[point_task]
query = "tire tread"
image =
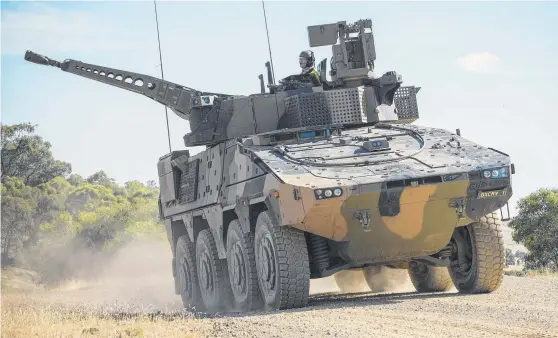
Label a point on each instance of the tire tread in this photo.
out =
(294, 266)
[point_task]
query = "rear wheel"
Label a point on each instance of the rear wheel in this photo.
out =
(241, 264)
(282, 264)
(478, 265)
(187, 276)
(426, 278)
(212, 274)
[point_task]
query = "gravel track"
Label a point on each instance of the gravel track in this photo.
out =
(521, 307)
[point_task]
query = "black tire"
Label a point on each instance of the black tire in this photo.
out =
(212, 274)
(383, 278)
(241, 263)
(485, 257)
(426, 278)
(282, 265)
(351, 281)
(187, 275)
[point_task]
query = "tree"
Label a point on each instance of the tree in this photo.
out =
(152, 184)
(18, 204)
(75, 179)
(54, 221)
(536, 226)
(510, 259)
(100, 177)
(28, 156)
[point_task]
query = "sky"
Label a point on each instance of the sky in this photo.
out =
(488, 68)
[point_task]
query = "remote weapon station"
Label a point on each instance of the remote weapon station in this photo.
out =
(308, 181)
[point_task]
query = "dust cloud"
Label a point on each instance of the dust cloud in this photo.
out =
(383, 279)
(374, 279)
(323, 285)
(136, 278)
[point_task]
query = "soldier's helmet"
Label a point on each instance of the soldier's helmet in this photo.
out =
(306, 59)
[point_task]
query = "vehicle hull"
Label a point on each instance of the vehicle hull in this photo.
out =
(375, 224)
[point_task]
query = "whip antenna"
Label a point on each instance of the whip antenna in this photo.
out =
(268, 44)
(162, 74)
(271, 60)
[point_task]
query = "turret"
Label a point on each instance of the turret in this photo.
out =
(351, 98)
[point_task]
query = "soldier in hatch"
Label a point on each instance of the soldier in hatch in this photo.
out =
(308, 74)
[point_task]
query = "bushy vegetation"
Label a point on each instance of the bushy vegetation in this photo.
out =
(60, 224)
(536, 226)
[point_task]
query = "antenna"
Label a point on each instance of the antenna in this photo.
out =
(270, 59)
(162, 74)
(268, 43)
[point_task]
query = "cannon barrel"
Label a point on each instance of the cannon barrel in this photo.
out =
(40, 59)
(178, 98)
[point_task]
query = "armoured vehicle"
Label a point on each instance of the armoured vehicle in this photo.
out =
(305, 182)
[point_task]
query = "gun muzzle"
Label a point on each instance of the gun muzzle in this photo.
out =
(40, 59)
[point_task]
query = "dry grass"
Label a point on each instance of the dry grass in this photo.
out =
(538, 273)
(26, 316)
(542, 273)
(119, 302)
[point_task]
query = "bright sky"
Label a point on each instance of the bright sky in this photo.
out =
(488, 68)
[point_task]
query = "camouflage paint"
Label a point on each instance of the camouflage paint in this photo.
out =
(380, 216)
(415, 221)
(403, 220)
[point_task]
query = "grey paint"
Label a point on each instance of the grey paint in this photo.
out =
(218, 117)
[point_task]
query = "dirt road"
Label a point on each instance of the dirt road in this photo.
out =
(522, 307)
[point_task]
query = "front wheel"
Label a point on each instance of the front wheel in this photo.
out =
(282, 264)
(478, 265)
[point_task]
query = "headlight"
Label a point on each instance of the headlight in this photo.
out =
(321, 194)
(496, 173)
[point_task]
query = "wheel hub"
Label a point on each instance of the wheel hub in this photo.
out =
(420, 269)
(206, 276)
(185, 277)
(238, 274)
(266, 264)
(463, 257)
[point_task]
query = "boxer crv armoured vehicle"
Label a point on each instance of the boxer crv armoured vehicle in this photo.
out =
(306, 181)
